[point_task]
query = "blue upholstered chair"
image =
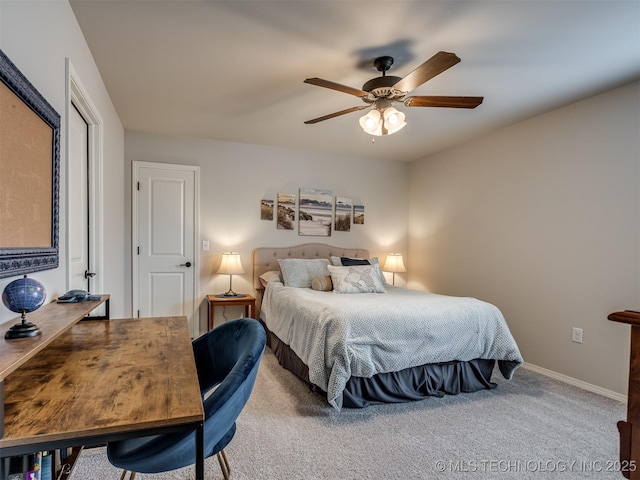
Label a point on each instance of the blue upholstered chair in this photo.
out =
(227, 357)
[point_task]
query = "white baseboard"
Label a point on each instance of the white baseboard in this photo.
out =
(577, 383)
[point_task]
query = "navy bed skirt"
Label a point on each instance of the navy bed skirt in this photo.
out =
(416, 383)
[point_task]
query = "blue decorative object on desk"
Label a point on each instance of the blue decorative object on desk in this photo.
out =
(23, 296)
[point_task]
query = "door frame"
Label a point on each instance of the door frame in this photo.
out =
(136, 165)
(77, 95)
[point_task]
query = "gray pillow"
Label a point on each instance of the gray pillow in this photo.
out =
(299, 272)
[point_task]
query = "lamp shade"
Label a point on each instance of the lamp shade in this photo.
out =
(394, 263)
(231, 264)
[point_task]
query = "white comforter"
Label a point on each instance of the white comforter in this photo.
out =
(343, 335)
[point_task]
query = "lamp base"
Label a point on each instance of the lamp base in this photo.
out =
(231, 294)
(22, 330)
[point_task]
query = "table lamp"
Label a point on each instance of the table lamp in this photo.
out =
(394, 264)
(231, 265)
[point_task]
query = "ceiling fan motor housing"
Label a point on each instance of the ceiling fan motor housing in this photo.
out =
(380, 82)
(383, 87)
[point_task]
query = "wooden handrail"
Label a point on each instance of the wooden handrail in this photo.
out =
(631, 317)
(630, 429)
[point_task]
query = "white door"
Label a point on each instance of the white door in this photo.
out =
(165, 232)
(84, 134)
(79, 268)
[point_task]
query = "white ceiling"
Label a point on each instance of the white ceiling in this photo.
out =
(234, 70)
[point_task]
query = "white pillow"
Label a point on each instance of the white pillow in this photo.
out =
(337, 261)
(356, 279)
(299, 272)
(266, 276)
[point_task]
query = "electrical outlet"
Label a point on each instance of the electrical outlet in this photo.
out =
(205, 245)
(576, 335)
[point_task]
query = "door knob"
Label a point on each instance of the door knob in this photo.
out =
(88, 274)
(188, 264)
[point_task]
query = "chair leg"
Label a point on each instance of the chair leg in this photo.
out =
(224, 464)
(124, 474)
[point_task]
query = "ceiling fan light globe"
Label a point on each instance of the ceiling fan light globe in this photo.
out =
(394, 129)
(371, 123)
(393, 117)
(393, 120)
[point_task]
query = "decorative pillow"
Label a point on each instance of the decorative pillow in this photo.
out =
(356, 279)
(299, 272)
(374, 261)
(324, 284)
(344, 261)
(337, 261)
(266, 276)
(347, 262)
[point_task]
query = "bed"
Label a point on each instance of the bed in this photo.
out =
(379, 343)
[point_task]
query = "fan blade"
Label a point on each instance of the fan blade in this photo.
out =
(447, 102)
(336, 114)
(336, 86)
(437, 64)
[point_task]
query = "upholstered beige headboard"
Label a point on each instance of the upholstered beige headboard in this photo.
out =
(266, 259)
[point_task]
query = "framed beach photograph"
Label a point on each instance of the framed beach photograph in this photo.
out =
(286, 211)
(358, 214)
(266, 209)
(344, 207)
(315, 210)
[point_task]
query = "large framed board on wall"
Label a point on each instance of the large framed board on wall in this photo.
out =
(29, 175)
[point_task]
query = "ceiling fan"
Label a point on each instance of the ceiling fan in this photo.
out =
(381, 92)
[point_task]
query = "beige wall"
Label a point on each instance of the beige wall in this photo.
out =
(541, 218)
(234, 178)
(38, 36)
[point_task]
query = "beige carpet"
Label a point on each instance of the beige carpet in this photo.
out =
(529, 427)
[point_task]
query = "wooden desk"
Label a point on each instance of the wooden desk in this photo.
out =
(53, 319)
(248, 301)
(103, 381)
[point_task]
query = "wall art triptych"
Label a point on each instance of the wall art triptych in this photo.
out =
(317, 212)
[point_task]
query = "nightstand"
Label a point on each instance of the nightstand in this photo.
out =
(247, 301)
